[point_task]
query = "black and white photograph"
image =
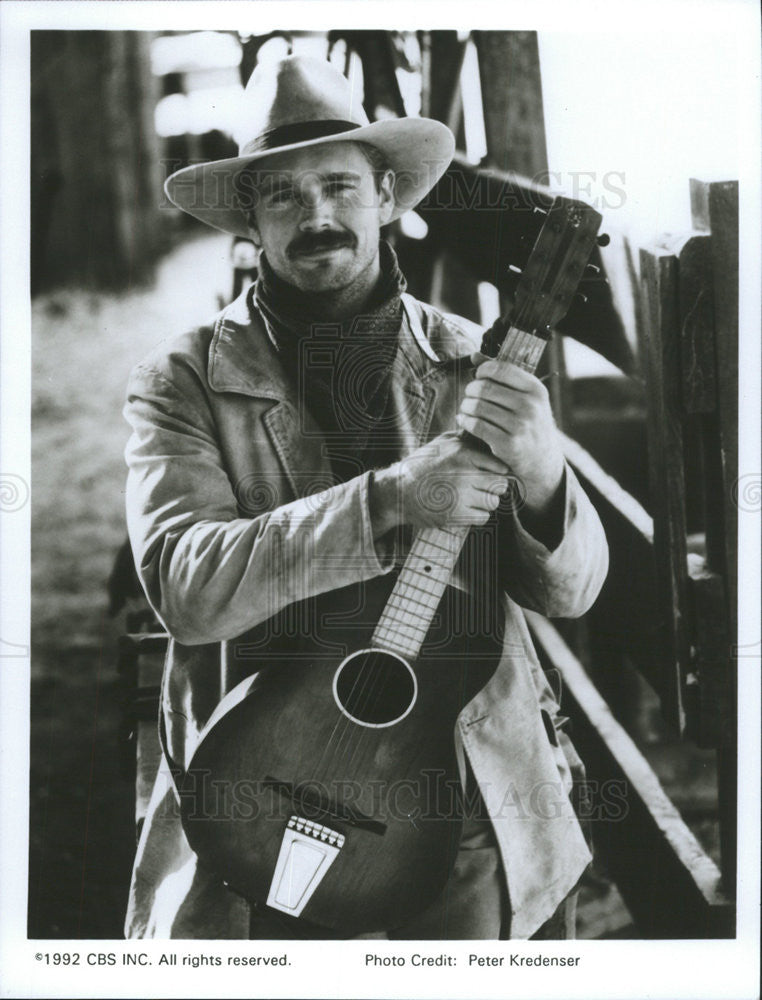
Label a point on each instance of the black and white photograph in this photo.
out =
(380, 499)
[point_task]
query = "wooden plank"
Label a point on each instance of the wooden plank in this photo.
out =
(696, 359)
(696, 320)
(702, 443)
(666, 476)
(671, 886)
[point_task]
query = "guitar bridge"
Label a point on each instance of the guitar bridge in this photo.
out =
(307, 851)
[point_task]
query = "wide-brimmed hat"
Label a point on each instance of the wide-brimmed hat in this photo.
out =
(297, 102)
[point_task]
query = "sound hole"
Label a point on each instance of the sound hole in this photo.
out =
(375, 688)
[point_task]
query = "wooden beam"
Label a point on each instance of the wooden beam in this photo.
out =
(486, 218)
(670, 885)
(609, 489)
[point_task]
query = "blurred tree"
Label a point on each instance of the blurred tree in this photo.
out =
(96, 192)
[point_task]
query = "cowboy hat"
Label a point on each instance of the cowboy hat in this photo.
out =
(300, 101)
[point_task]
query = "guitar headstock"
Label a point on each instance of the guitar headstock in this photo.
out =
(555, 267)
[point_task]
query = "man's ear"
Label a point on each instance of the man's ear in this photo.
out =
(386, 202)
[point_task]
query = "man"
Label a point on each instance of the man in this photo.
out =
(262, 474)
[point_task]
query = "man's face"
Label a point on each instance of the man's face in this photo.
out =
(318, 215)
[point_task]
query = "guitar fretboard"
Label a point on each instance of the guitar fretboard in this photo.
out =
(413, 603)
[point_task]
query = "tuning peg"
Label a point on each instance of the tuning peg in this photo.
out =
(542, 211)
(603, 240)
(580, 295)
(516, 270)
(593, 267)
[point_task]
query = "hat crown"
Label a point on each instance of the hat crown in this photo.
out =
(294, 90)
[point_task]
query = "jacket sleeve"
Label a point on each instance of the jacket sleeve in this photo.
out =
(564, 582)
(209, 573)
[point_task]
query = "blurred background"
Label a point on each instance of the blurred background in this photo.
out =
(115, 269)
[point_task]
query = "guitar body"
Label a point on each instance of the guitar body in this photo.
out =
(366, 751)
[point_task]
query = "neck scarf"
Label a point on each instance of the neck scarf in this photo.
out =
(341, 370)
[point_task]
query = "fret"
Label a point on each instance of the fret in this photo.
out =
(522, 348)
(401, 601)
(408, 586)
(436, 545)
(433, 585)
(408, 604)
(385, 634)
(410, 645)
(407, 589)
(399, 613)
(416, 633)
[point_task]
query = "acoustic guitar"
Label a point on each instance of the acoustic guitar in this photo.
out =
(326, 784)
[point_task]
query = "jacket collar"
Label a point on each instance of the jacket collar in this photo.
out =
(242, 358)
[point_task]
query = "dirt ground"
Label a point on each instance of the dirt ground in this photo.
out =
(82, 800)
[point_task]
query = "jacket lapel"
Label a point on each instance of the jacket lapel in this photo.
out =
(243, 360)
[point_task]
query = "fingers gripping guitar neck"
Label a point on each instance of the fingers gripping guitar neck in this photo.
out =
(430, 563)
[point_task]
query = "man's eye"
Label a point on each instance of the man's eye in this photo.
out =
(339, 187)
(281, 197)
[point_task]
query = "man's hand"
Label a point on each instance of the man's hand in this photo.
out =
(509, 409)
(447, 481)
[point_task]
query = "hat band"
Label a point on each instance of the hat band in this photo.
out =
(287, 135)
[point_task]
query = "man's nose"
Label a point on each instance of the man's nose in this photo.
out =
(315, 206)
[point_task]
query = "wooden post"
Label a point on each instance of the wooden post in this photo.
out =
(509, 67)
(706, 691)
(666, 479)
(714, 209)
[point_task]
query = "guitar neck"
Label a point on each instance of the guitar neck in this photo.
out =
(428, 568)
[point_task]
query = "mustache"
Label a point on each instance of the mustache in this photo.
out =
(327, 239)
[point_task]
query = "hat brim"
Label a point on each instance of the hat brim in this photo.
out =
(418, 150)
